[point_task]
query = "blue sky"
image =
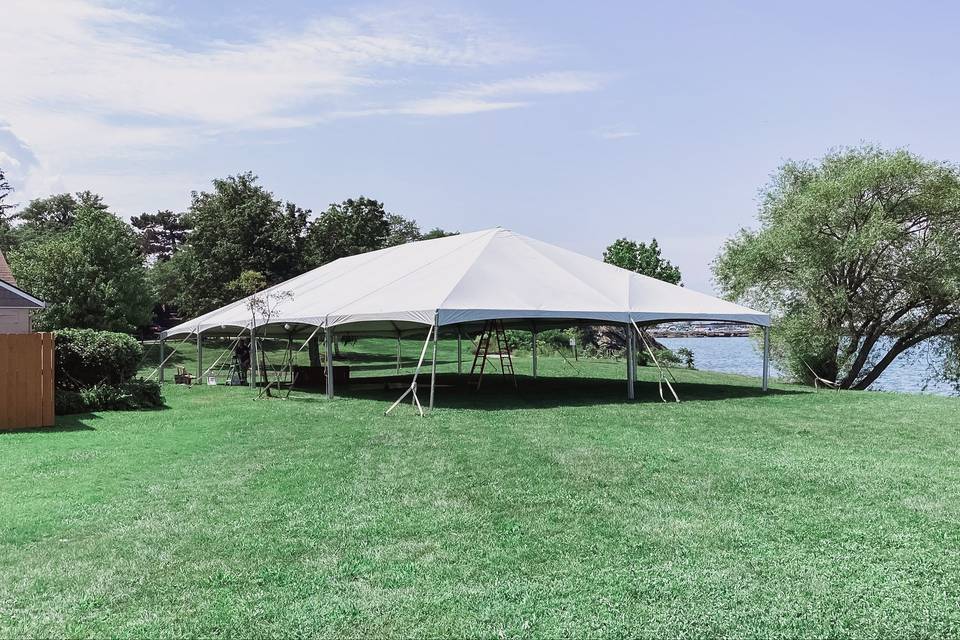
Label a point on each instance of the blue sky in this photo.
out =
(576, 123)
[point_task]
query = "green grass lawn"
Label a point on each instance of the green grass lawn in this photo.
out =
(558, 510)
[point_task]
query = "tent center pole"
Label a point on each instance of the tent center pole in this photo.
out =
(459, 350)
(253, 358)
(399, 352)
(199, 356)
(533, 346)
(328, 344)
(766, 357)
(433, 367)
(163, 344)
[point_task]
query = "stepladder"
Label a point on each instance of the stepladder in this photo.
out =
(493, 331)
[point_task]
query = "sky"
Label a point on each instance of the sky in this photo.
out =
(573, 122)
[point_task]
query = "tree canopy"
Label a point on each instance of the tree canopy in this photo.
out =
(91, 274)
(161, 233)
(236, 227)
(857, 257)
(6, 228)
(642, 258)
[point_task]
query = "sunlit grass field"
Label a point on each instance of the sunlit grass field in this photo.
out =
(559, 509)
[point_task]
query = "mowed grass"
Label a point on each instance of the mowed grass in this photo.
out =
(556, 510)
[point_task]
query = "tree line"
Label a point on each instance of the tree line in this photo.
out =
(856, 256)
(98, 271)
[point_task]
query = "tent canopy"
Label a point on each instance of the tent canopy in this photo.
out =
(465, 280)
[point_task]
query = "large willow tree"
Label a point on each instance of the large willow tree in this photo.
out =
(857, 257)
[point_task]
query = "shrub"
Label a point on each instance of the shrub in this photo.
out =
(86, 358)
(130, 395)
(94, 371)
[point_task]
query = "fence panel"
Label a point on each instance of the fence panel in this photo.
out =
(26, 380)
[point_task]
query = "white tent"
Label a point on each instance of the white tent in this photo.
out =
(459, 282)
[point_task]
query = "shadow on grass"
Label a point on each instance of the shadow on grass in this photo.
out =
(74, 422)
(496, 393)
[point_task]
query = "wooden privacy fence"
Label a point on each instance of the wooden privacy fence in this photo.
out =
(26, 380)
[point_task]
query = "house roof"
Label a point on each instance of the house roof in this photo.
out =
(12, 296)
(5, 274)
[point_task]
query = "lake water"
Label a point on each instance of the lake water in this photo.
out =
(908, 373)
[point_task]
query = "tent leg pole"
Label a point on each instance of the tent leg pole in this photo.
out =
(459, 351)
(766, 357)
(399, 353)
(631, 364)
(163, 345)
(328, 343)
(253, 358)
(199, 356)
(533, 346)
(433, 368)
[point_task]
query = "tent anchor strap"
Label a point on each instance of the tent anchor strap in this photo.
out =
(412, 389)
(663, 375)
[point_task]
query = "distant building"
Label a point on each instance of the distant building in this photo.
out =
(15, 303)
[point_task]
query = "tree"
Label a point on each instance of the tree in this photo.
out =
(641, 258)
(437, 232)
(236, 227)
(349, 228)
(402, 230)
(91, 275)
(6, 228)
(5, 190)
(161, 233)
(858, 258)
(54, 214)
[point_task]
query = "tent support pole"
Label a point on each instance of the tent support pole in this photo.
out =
(163, 345)
(328, 344)
(766, 357)
(399, 352)
(533, 346)
(663, 370)
(412, 389)
(199, 356)
(433, 367)
(631, 364)
(253, 358)
(459, 350)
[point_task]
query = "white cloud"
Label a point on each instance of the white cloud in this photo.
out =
(618, 133)
(477, 97)
(95, 83)
(7, 161)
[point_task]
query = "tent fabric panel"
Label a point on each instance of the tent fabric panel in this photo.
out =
(512, 275)
(461, 316)
(654, 298)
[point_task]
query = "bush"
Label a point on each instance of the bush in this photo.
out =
(94, 371)
(87, 358)
(130, 395)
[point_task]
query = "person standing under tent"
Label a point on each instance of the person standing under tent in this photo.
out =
(243, 360)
